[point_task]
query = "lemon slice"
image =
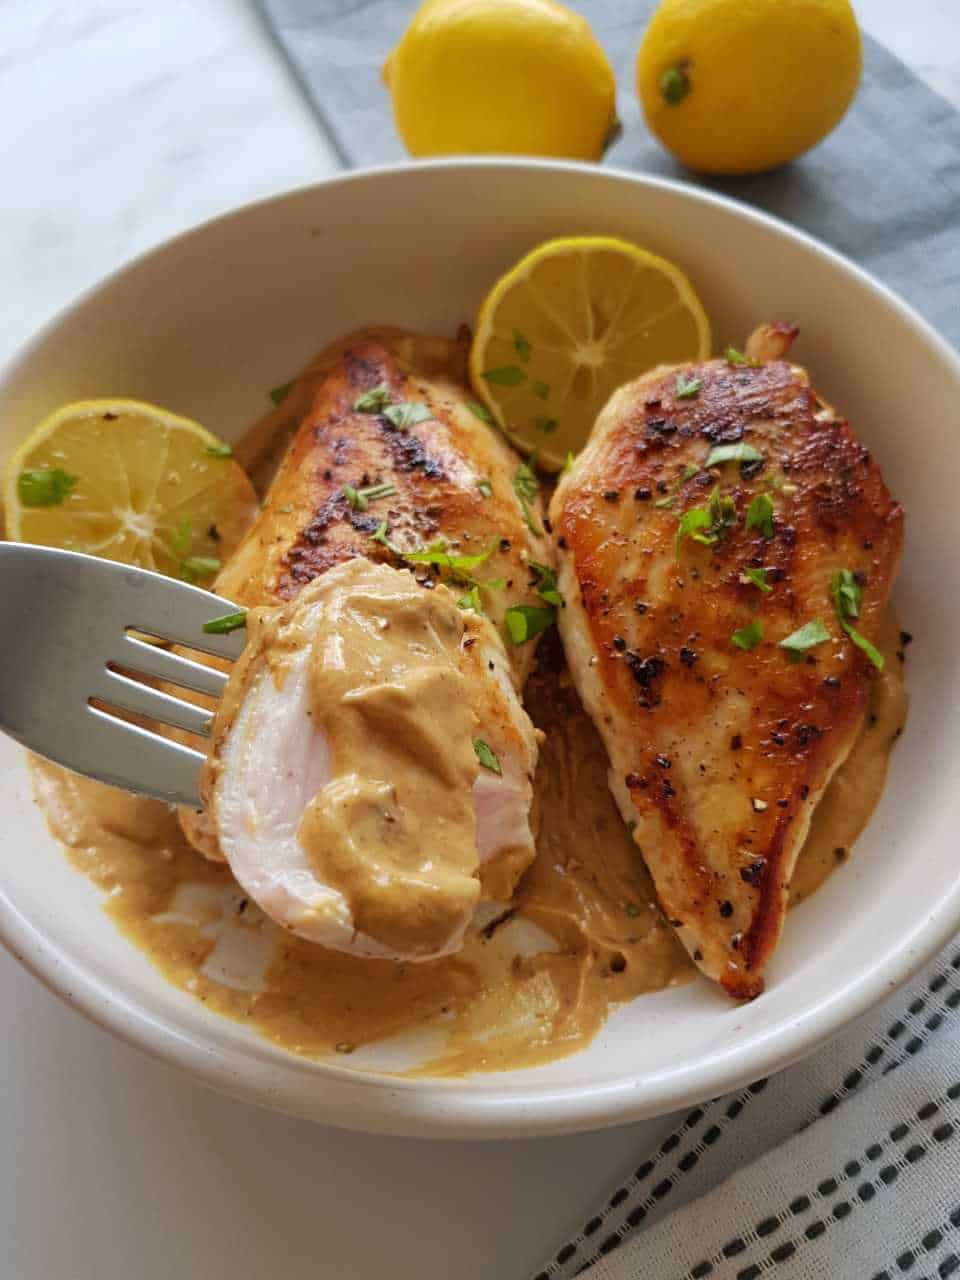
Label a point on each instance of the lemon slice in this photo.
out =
(570, 323)
(128, 481)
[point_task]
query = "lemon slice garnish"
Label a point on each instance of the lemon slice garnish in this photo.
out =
(130, 482)
(566, 326)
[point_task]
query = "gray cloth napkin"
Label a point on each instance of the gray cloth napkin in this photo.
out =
(841, 1167)
(844, 1166)
(884, 188)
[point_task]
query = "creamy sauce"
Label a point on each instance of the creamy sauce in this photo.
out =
(395, 829)
(392, 831)
(498, 1005)
(502, 1002)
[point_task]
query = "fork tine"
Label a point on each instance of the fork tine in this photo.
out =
(121, 691)
(150, 660)
(131, 757)
(175, 611)
(65, 617)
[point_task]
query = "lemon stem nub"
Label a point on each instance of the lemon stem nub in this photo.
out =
(674, 84)
(614, 132)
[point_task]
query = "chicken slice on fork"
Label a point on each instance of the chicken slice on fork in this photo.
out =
(726, 550)
(371, 771)
(396, 511)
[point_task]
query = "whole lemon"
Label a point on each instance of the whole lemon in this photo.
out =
(740, 86)
(517, 76)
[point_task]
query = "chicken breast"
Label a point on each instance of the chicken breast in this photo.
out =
(390, 466)
(391, 409)
(726, 549)
(371, 770)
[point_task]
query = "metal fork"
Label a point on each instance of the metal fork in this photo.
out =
(67, 624)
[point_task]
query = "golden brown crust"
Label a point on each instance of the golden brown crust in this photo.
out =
(723, 753)
(307, 525)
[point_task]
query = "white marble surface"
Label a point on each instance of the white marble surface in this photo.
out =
(125, 122)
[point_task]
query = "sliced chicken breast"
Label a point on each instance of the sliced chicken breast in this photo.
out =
(390, 466)
(371, 771)
(726, 550)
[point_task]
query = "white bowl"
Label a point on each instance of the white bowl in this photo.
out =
(209, 321)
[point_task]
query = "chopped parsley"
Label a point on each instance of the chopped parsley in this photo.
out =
(524, 621)
(687, 388)
(733, 453)
(373, 401)
(845, 593)
(48, 487)
(691, 524)
(225, 623)
(219, 450)
(437, 553)
(480, 411)
(526, 486)
(195, 567)
(861, 641)
(541, 390)
(547, 584)
(485, 487)
(758, 577)
(459, 567)
(806, 637)
(471, 600)
(279, 394)
(521, 346)
(360, 499)
(406, 414)
(707, 524)
(733, 356)
(723, 514)
(488, 757)
(183, 536)
(760, 514)
(748, 637)
(507, 375)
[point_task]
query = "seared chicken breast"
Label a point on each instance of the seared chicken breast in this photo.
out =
(726, 548)
(394, 468)
(391, 409)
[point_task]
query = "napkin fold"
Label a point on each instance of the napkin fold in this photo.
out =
(840, 1166)
(847, 1165)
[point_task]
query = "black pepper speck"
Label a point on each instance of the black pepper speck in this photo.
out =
(752, 874)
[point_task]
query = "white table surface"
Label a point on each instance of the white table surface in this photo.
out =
(123, 123)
